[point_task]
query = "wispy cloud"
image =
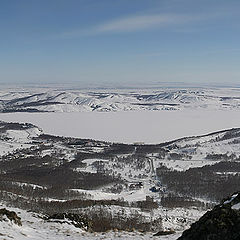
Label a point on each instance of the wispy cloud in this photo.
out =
(138, 23)
(131, 24)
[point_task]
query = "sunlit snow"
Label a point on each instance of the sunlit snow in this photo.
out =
(131, 126)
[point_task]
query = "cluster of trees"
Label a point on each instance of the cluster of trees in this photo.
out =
(174, 200)
(53, 177)
(203, 182)
(232, 133)
(4, 126)
(221, 157)
(101, 219)
(41, 200)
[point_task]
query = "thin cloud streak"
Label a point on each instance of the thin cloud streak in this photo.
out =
(135, 23)
(141, 22)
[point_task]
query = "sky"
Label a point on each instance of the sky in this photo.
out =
(120, 42)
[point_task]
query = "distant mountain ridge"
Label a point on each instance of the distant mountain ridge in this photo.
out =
(49, 100)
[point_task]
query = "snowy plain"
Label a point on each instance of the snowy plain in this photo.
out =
(130, 126)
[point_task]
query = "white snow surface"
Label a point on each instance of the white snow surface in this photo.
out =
(17, 139)
(104, 100)
(232, 198)
(131, 126)
(35, 228)
(125, 115)
(236, 206)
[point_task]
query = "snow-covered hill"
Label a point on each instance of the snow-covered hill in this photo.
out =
(35, 227)
(47, 173)
(203, 150)
(42, 100)
(14, 136)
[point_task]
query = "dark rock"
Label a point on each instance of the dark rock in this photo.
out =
(11, 215)
(221, 223)
(164, 233)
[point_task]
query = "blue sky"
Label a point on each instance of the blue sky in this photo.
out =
(120, 41)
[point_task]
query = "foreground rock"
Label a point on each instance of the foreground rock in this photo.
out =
(164, 233)
(221, 223)
(11, 215)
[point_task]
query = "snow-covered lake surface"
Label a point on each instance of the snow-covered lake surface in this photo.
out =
(131, 126)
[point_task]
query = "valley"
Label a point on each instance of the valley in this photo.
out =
(142, 162)
(171, 183)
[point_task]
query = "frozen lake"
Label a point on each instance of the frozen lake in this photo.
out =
(129, 127)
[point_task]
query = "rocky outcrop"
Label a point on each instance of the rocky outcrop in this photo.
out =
(70, 218)
(11, 215)
(164, 233)
(221, 223)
